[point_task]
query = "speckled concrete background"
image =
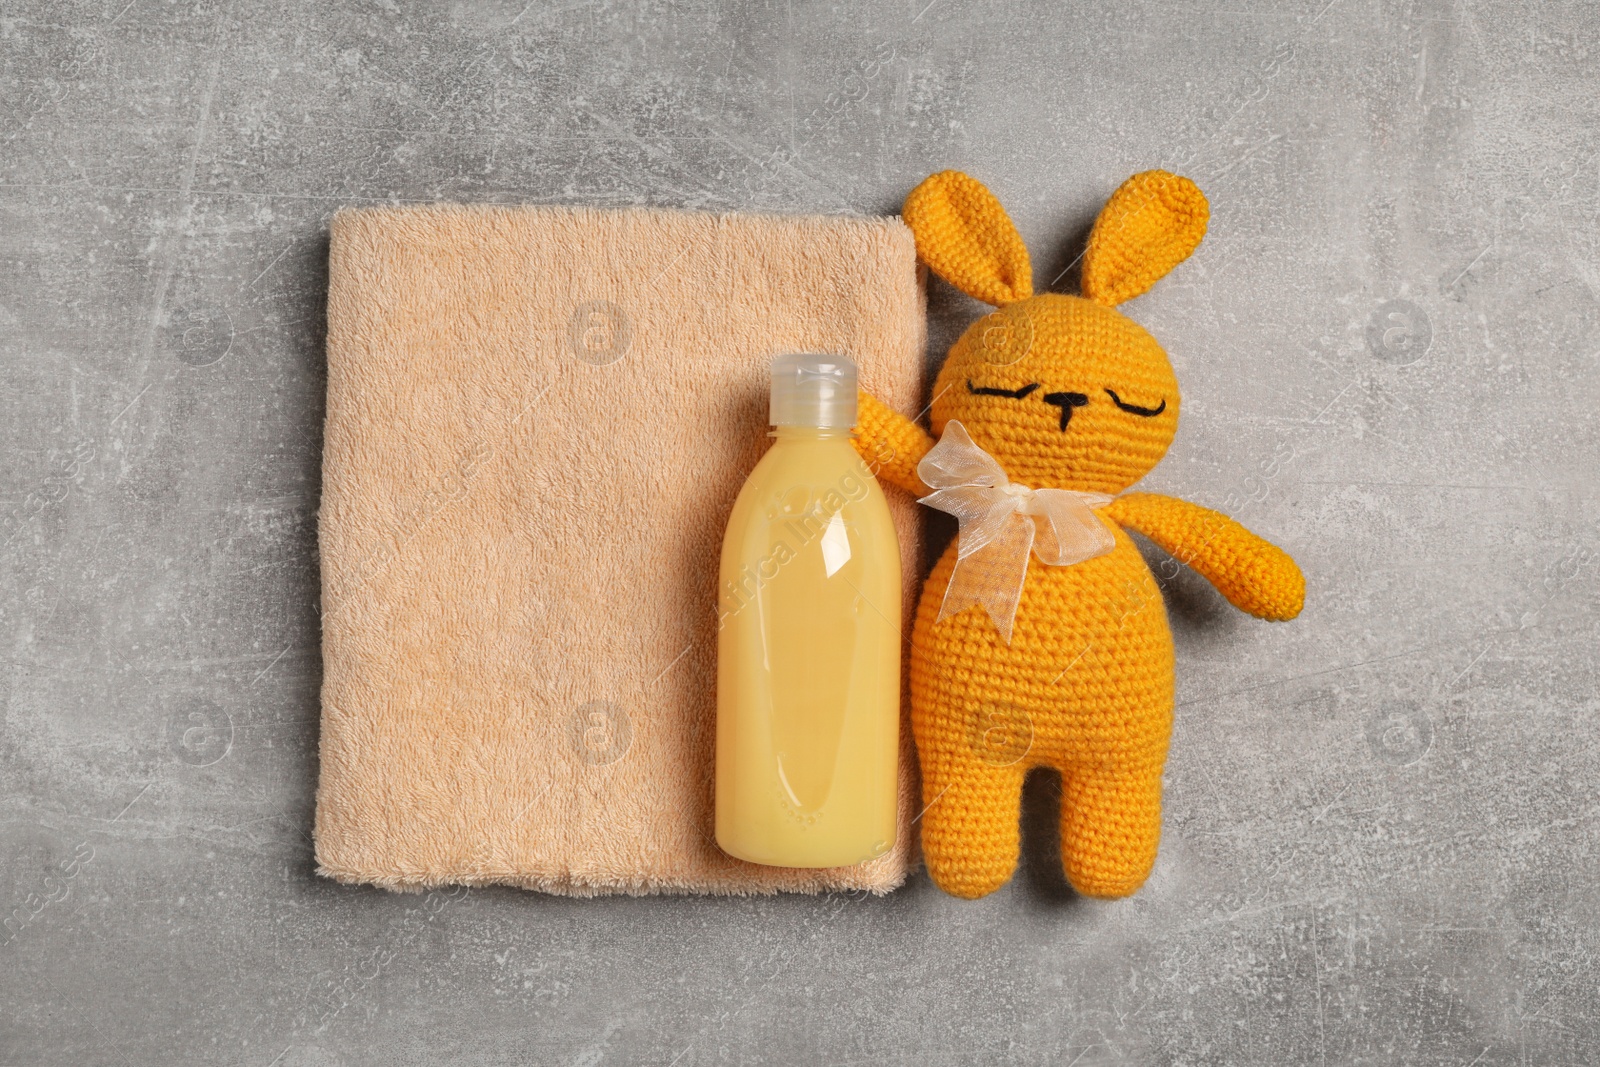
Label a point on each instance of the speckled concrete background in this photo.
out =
(1380, 842)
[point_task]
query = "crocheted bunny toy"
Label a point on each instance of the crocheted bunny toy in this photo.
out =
(1041, 637)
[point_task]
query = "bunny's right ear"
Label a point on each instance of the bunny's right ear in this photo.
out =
(965, 236)
(1150, 225)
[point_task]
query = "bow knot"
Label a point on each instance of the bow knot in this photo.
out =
(1002, 524)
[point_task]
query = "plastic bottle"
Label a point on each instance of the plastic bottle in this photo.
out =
(808, 657)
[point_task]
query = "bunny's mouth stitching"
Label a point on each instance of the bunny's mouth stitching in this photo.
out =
(1066, 402)
(1135, 409)
(989, 390)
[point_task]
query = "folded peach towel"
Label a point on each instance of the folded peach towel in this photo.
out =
(538, 420)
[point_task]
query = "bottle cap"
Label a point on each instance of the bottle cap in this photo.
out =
(810, 389)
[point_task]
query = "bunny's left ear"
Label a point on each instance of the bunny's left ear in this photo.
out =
(967, 238)
(1149, 226)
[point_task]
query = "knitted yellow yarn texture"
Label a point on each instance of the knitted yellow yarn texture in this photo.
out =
(1065, 392)
(891, 444)
(966, 239)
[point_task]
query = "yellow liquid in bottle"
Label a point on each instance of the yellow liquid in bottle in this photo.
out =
(808, 660)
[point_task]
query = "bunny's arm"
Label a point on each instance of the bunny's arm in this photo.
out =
(891, 444)
(1256, 576)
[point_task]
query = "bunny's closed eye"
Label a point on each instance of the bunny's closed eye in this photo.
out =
(1135, 409)
(989, 390)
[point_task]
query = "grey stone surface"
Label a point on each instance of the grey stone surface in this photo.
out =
(1381, 818)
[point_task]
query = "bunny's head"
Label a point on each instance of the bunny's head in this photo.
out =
(1065, 391)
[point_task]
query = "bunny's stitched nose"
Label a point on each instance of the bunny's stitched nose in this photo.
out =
(1066, 402)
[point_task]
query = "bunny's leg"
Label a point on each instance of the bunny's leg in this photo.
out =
(970, 823)
(1110, 825)
(971, 832)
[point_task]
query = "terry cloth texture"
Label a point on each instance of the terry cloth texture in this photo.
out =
(537, 422)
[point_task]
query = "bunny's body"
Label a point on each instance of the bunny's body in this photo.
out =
(1086, 686)
(1065, 393)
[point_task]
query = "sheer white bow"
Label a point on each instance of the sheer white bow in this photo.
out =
(1002, 523)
